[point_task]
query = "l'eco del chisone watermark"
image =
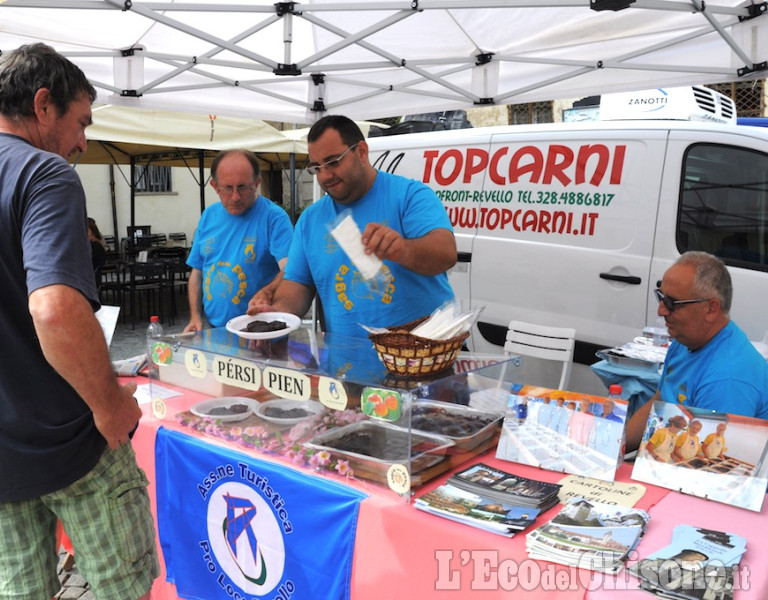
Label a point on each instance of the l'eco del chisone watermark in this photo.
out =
(479, 570)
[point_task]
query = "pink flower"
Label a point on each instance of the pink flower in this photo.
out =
(320, 459)
(300, 431)
(255, 431)
(343, 468)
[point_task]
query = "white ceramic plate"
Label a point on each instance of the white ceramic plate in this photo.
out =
(309, 408)
(237, 325)
(222, 408)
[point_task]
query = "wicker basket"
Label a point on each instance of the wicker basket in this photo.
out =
(409, 355)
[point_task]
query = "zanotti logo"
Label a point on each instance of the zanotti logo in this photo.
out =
(246, 540)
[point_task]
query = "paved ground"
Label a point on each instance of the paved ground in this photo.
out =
(128, 341)
(74, 587)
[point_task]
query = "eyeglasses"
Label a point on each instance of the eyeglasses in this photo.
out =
(228, 190)
(330, 164)
(671, 304)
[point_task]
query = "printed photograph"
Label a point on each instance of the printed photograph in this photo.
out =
(564, 431)
(713, 455)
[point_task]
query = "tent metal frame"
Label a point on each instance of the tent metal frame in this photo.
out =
(263, 75)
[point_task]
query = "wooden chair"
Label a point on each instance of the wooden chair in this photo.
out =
(150, 285)
(178, 238)
(543, 342)
(176, 259)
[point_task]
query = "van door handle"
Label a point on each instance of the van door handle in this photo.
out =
(633, 279)
(464, 257)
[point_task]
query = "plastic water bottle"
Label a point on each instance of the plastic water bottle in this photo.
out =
(659, 332)
(154, 330)
(614, 393)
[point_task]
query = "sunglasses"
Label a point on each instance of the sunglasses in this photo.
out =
(671, 304)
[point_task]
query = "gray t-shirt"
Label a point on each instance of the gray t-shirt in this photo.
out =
(47, 435)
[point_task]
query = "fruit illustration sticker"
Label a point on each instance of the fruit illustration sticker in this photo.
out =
(381, 404)
(162, 353)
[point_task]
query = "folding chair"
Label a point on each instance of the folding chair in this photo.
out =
(541, 341)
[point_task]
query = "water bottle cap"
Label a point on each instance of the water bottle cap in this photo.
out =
(154, 319)
(614, 390)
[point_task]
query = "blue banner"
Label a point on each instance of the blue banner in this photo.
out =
(235, 527)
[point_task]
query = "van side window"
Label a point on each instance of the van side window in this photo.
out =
(724, 204)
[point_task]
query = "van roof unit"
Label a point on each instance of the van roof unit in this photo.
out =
(692, 103)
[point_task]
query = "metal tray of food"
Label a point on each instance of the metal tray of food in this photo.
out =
(467, 427)
(631, 362)
(371, 447)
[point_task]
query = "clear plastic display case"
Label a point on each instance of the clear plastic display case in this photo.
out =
(327, 403)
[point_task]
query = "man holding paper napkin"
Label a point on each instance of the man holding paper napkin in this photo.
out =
(391, 273)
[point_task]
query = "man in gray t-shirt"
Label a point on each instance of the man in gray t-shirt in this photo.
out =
(65, 452)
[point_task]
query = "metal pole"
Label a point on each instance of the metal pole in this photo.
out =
(293, 187)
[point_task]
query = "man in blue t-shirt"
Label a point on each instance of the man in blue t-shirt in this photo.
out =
(711, 363)
(241, 243)
(402, 222)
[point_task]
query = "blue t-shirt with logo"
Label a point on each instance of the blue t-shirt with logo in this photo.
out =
(727, 375)
(238, 255)
(407, 206)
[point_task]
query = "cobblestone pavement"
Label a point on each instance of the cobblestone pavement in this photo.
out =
(73, 586)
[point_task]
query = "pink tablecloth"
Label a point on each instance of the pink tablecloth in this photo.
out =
(403, 553)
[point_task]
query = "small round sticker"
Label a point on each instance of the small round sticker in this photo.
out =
(398, 479)
(158, 407)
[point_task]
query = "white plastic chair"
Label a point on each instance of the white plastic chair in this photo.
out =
(540, 341)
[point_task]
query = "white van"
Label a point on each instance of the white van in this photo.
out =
(574, 224)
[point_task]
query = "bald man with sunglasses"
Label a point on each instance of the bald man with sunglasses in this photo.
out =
(711, 364)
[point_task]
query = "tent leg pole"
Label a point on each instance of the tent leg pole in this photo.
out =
(293, 188)
(114, 204)
(201, 167)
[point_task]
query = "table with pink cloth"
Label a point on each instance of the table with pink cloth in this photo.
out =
(401, 552)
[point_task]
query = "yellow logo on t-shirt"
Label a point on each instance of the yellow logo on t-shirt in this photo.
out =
(351, 287)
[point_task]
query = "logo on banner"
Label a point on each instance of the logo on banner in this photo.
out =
(245, 538)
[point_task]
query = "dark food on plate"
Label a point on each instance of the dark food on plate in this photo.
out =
(435, 419)
(384, 445)
(285, 413)
(232, 409)
(264, 326)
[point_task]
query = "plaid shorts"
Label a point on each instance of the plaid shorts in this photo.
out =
(107, 517)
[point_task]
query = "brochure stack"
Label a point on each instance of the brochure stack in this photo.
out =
(589, 535)
(490, 499)
(698, 564)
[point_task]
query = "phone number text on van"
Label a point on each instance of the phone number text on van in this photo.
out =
(526, 197)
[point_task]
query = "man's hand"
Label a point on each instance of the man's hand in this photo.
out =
(117, 423)
(195, 324)
(261, 302)
(431, 254)
(384, 242)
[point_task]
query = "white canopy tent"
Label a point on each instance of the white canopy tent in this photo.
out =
(294, 62)
(131, 130)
